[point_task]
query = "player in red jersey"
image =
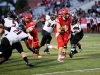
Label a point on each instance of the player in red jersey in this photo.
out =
(62, 32)
(33, 35)
(64, 21)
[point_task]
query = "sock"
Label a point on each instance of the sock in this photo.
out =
(49, 46)
(25, 59)
(59, 56)
(72, 49)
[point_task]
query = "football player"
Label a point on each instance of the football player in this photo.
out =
(33, 39)
(10, 21)
(76, 35)
(10, 40)
(50, 23)
(62, 33)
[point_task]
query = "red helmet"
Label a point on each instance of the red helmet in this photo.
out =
(60, 12)
(29, 16)
(65, 11)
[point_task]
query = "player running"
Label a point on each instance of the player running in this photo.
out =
(62, 33)
(50, 23)
(76, 35)
(33, 39)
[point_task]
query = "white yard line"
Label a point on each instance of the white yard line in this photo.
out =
(85, 70)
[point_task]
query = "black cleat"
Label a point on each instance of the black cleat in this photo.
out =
(71, 54)
(75, 51)
(29, 64)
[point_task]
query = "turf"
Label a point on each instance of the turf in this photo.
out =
(86, 62)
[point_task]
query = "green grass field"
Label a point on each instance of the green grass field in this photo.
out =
(86, 62)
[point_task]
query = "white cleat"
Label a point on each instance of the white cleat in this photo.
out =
(39, 56)
(60, 60)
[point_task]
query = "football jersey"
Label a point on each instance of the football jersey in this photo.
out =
(64, 23)
(76, 30)
(94, 21)
(98, 19)
(88, 19)
(15, 35)
(10, 23)
(49, 24)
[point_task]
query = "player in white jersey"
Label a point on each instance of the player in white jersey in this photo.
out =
(10, 21)
(15, 35)
(50, 23)
(94, 24)
(10, 40)
(88, 20)
(76, 36)
(98, 23)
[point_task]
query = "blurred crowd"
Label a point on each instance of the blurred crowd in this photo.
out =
(55, 5)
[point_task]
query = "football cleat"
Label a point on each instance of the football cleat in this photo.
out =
(71, 54)
(29, 64)
(60, 60)
(75, 51)
(63, 55)
(39, 56)
(47, 50)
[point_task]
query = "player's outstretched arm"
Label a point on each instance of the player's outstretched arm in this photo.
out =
(29, 47)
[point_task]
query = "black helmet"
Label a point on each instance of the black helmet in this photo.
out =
(11, 14)
(74, 20)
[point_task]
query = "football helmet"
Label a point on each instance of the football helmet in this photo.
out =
(74, 20)
(60, 12)
(64, 12)
(11, 14)
(28, 16)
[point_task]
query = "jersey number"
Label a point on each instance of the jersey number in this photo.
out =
(17, 31)
(49, 25)
(13, 22)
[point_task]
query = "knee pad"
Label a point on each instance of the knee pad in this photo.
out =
(65, 46)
